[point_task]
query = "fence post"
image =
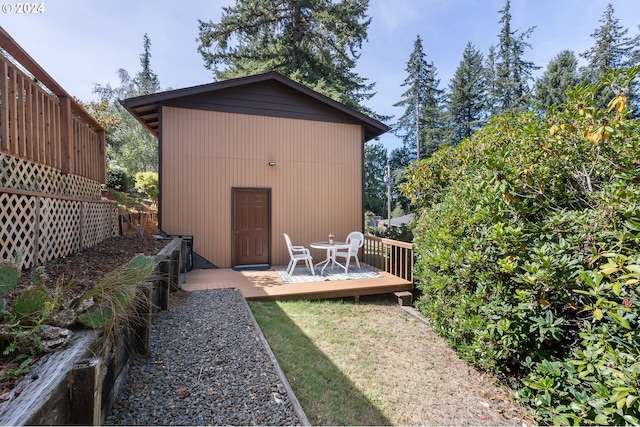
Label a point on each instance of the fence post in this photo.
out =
(36, 235)
(66, 135)
(142, 338)
(85, 389)
(4, 107)
(102, 137)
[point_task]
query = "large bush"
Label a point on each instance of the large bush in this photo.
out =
(147, 182)
(118, 179)
(528, 258)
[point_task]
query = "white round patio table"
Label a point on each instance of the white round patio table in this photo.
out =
(331, 249)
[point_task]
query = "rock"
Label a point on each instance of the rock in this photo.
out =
(52, 337)
(62, 319)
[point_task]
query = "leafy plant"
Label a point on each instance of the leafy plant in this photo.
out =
(147, 182)
(9, 276)
(25, 366)
(118, 179)
(37, 321)
(111, 302)
(527, 243)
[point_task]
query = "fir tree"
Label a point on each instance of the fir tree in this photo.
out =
(129, 145)
(613, 50)
(146, 81)
(420, 127)
(315, 42)
(375, 161)
(561, 74)
(512, 72)
(399, 159)
(491, 83)
(467, 94)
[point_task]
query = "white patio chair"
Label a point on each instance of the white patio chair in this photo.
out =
(303, 254)
(356, 239)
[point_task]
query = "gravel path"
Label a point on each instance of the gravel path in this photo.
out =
(208, 366)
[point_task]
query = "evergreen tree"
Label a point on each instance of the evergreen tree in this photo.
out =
(635, 56)
(129, 145)
(399, 159)
(491, 83)
(375, 164)
(314, 42)
(613, 50)
(146, 81)
(421, 126)
(512, 71)
(467, 94)
(431, 114)
(561, 74)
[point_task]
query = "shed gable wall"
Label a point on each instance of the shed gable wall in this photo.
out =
(316, 184)
(266, 98)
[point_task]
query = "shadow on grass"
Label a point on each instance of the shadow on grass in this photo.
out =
(327, 396)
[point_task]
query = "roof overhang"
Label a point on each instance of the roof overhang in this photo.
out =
(146, 108)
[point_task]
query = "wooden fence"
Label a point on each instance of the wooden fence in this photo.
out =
(40, 121)
(46, 215)
(392, 256)
(52, 165)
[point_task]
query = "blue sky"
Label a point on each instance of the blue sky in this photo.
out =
(84, 42)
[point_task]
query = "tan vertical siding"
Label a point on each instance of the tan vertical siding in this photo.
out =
(316, 186)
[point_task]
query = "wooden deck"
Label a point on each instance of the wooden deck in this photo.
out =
(265, 285)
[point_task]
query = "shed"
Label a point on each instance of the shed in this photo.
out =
(245, 160)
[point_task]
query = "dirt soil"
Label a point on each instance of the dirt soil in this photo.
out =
(86, 268)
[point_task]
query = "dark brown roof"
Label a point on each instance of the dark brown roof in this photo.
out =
(264, 94)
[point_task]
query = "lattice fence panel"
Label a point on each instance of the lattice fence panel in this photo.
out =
(100, 222)
(17, 228)
(22, 174)
(65, 227)
(77, 186)
(60, 223)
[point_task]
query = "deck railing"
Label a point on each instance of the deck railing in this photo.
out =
(52, 165)
(393, 256)
(41, 123)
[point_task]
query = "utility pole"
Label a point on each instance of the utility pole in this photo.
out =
(387, 178)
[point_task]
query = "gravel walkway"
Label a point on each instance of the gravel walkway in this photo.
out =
(208, 366)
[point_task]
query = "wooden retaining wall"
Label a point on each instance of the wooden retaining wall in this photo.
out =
(78, 385)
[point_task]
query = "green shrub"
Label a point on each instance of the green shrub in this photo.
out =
(527, 245)
(118, 179)
(147, 182)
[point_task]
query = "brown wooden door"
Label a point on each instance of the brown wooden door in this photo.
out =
(251, 226)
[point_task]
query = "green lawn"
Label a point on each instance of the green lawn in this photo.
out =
(370, 363)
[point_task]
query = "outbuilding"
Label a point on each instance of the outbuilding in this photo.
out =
(243, 161)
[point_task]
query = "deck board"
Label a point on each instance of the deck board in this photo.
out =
(265, 285)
